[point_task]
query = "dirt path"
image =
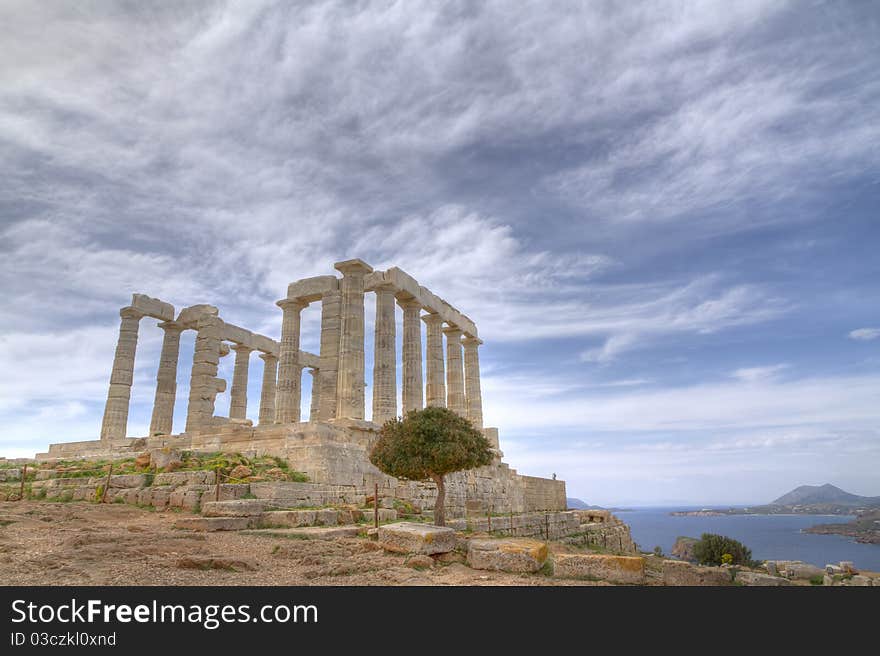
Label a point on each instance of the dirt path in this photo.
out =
(81, 543)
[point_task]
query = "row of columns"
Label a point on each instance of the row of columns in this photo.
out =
(338, 383)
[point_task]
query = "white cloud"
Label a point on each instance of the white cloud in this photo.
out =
(754, 374)
(864, 334)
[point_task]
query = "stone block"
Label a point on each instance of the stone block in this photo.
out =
(287, 518)
(202, 477)
(235, 508)
(128, 480)
(758, 579)
(409, 537)
(803, 571)
(214, 523)
(309, 532)
(680, 573)
(507, 555)
(326, 517)
(602, 567)
(10, 475)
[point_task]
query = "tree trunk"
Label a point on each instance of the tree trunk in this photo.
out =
(440, 504)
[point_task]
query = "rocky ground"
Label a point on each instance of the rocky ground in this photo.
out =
(864, 528)
(79, 543)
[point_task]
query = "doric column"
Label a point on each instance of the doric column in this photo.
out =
(472, 381)
(267, 394)
(166, 380)
(331, 305)
(116, 410)
(316, 394)
(385, 357)
(238, 393)
(204, 384)
(351, 383)
(413, 385)
(435, 388)
(289, 393)
(454, 372)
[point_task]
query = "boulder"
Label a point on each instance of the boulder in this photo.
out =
(507, 555)
(240, 471)
(676, 572)
(411, 537)
(601, 567)
(165, 459)
(758, 579)
(142, 461)
(803, 571)
(683, 549)
(309, 532)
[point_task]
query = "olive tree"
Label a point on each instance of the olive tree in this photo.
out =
(428, 444)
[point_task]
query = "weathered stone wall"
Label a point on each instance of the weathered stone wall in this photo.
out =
(336, 453)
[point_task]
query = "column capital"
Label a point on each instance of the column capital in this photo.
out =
(172, 326)
(353, 267)
(452, 331)
(291, 304)
(408, 302)
(432, 319)
(470, 341)
(242, 348)
(131, 313)
(268, 357)
(383, 288)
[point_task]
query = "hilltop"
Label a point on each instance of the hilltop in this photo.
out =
(808, 495)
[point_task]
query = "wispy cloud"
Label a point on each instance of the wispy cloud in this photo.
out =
(864, 334)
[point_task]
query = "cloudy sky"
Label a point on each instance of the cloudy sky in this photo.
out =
(663, 217)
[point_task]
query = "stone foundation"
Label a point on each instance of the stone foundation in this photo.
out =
(336, 454)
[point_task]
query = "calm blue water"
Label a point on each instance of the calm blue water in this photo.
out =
(770, 537)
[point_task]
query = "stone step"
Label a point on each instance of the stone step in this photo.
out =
(298, 518)
(234, 508)
(309, 532)
(215, 523)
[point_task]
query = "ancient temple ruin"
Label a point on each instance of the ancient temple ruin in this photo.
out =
(331, 446)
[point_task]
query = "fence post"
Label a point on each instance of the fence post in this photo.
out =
(376, 505)
(489, 517)
(107, 484)
(21, 487)
(217, 484)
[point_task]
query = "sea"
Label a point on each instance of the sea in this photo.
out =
(770, 537)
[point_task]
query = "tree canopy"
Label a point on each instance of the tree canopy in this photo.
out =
(428, 444)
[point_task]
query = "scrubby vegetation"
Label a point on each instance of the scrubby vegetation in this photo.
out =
(716, 550)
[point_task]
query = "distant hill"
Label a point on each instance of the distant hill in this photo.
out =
(577, 504)
(809, 495)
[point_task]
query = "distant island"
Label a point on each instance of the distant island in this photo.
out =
(578, 504)
(804, 500)
(815, 500)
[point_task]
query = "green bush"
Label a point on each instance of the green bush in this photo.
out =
(714, 549)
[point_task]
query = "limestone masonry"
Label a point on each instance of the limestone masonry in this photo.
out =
(331, 447)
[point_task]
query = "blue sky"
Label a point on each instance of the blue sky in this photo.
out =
(663, 217)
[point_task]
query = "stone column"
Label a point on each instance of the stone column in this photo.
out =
(267, 394)
(238, 394)
(435, 388)
(472, 381)
(385, 357)
(331, 304)
(351, 383)
(166, 380)
(204, 384)
(316, 394)
(454, 372)
(289, 393)
(413, 385)
(115, 421)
